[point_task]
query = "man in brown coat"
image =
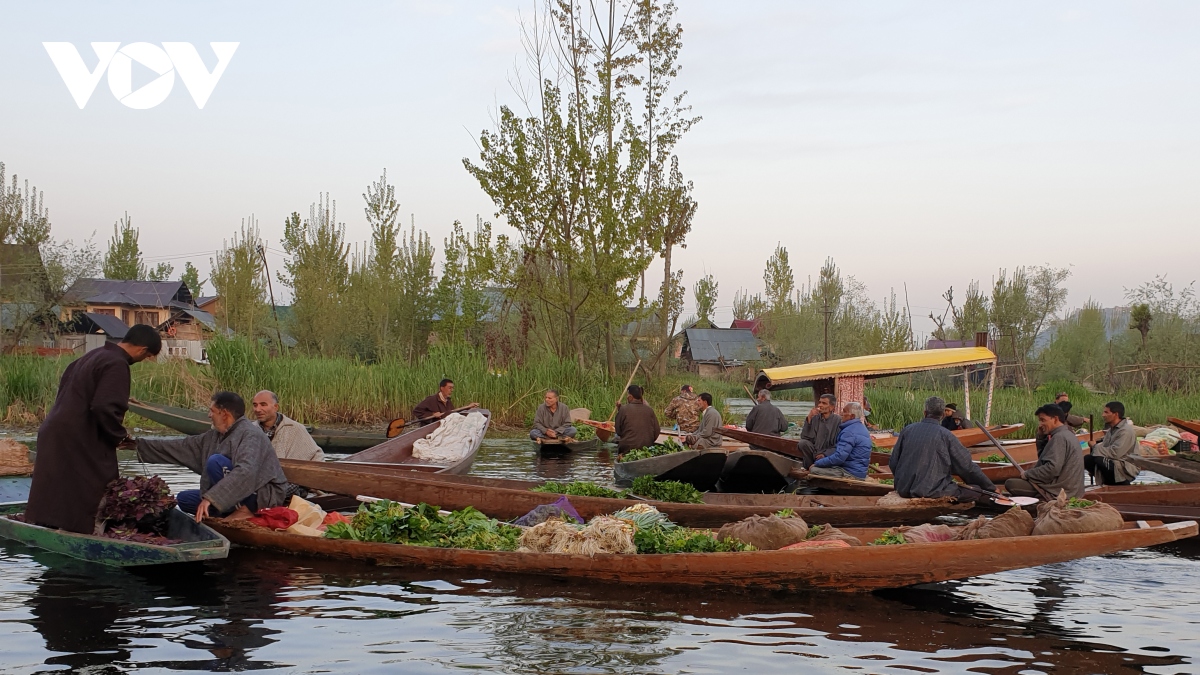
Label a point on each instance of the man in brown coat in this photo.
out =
(636, 423)
(77, 442)
(435, 407)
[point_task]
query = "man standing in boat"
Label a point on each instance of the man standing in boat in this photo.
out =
(685, 410)
(552, 420)
(710, 420)
(636, 424)
(77, 443)
(437, 406)
(1109, 460)
(237, 465)
(852, 454)
(927, 456)
(765, 418)
(289, 438)
(819, 435)
(1060, 463)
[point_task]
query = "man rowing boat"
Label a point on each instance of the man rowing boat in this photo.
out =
(437, 406)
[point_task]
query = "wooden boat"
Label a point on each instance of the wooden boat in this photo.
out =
(857, 568)
(508, 499)
(195, 422)
(1167, 514)
(848, 486)
(779, 444)
(1187, 425)
(967, 437)
(604, 430)
(15, 488)
(1176, 467)
(198, 542)
(1027, 452)
(1154, 494)
(756, 471)
(700, 468)
(548, 446)
(997, 472)
(398, 451)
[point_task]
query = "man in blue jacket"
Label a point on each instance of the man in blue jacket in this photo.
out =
(852, 455)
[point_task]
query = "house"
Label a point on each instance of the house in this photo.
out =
(716, 351)
(24, 294)
(753, 325)
(103, 309)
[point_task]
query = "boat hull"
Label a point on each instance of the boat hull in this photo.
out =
(699, 468)
(564, 448)
(967, 437)
(756, 471)
(1167, 494)
(856, 569)
(1175, 468)
(398, 451)
(200, 542)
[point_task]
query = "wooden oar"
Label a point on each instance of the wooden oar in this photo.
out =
(1020, 469)
(624, 389)
(397, 425)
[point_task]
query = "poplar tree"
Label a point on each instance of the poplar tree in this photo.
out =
(123, 260)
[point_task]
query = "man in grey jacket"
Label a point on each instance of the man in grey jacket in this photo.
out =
(927, 456)
(1109, 460)
(237, 465)
(290, 439)
(765, 418)
(552, 420)
(820, 433)
(710, 420)
(1060, 463)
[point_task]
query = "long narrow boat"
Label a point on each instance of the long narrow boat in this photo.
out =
(1187, 425)
(856, 568)
(1153, 494)
(398, 451)
(1175, 468)
(197, 542)
(1027, 452)
(968, 437)
(700, 468)
(195, 422)
(548, 446)
(508, 499)
(752, 470)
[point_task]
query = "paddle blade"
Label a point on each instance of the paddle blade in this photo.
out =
(395, 428)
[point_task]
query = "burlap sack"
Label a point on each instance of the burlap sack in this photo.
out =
(766, 533)
(927, 533)
(831, 533)
(1015, 522)
(1055, 518)
(14, 458)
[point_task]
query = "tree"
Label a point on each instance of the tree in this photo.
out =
(318, 274)
(973, 317)
(161, 272)
(780, 281)
(705, 292)
(191, 279)
(468, 268)
(417, 284)
(238, 278)
(1022, 305)
(24, 219)
(1139, 320)
(123, 260)
(746, 306)
(895, 332)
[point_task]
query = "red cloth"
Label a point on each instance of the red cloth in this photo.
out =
(276, 518)
(334, 517)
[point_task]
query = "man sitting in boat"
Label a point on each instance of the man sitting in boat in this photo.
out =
(552, 421)
(710, 420)
(852, 455)
(1063, 400)
(636, 424)
(819, 435)
(237, 465)
(927, 456)
(685, 410)
(289, 438)
(1109, 461)
(765, 418)
(951, 419)
(438, 405)
(1060, 463)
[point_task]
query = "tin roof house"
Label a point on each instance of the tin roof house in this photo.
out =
(108, 307)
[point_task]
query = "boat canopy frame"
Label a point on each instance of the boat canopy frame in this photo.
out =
(825, 375)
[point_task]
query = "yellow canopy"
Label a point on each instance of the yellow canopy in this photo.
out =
(875, 365)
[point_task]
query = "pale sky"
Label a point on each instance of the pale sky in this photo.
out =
(918, 143)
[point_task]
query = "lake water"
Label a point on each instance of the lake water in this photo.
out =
(1131, 612)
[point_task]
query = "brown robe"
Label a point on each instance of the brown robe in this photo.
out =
(636, 426)
(77, 443)
(431, 405)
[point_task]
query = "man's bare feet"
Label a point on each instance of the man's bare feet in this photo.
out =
(240, 513)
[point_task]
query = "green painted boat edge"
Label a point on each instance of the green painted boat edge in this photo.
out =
(208, 545)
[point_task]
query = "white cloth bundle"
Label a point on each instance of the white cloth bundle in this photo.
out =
(452, 440)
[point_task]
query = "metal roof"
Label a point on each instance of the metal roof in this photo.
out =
(875, 365)
(157, 294)
(721, 344)
(110, 325)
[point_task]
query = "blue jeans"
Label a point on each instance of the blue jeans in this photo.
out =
(217, 467)
(569, 432)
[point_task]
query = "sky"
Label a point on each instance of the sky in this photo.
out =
(919, 144)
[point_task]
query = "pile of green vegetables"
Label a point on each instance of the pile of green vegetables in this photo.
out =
(666, 491)
(1077, 503)
(579, 489)
(421, 525)
(994, 457)
(667, 447)
(655, 533)
(888, 538)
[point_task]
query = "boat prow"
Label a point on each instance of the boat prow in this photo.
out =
(699, 468)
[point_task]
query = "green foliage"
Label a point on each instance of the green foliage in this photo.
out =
(318, 272)
(580, 489)
(160, 272)
(705, 293)
(668, 446)
(887, 481)
(191, 279)
(422, 525)
(889, 538)
(23, 217)
(666, 491)
(779, 280)
(1077, 503)
(684, 540)
(785, 513)
(124, 259)
(994, 457)
(237, 277)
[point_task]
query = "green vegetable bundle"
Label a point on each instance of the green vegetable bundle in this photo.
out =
(994, 457)
(655, 533)
(579, 489)
(1076, 503)
(421, 525)
(667, 447)
(889, 538)
(666, 491)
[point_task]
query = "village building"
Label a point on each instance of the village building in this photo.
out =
(98, 310)
(711, 352)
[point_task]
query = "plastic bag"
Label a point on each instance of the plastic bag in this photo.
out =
(766, 533)
(541, 513)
